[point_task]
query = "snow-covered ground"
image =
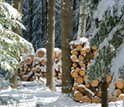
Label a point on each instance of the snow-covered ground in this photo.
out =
(32, 94)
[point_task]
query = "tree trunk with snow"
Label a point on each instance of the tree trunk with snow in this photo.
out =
(82, 20)
(30, 11)
(66, 37)
(104, 97)
(17, 4)
(50, 45)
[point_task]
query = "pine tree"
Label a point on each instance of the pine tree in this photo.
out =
(66, 37)
(50, 45)
(105, 30)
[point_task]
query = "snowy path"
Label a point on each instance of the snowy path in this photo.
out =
(38, 95)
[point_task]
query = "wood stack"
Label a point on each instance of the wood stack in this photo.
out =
(34, 66)
(84, 92)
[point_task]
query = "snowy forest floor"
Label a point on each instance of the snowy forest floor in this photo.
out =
(32, 94)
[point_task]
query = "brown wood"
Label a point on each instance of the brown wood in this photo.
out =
(43, 62)
(96, 100)
(74, 74)
(79, 47)
(76, 86)
(79, 80)
(108, 78)
(77, 69)
(81, 89)
(87, 50)
(82, 52)
(87, 85)
(95, 53)
(94, 48)
(119, 84)
(40, 53)
(75, 52)
(121, 97)
(113, 99)
(82, 72)
(95, 83)
(74, 90)
(78, 96)
(98, 93)
(118, 91)
(86, 99)
(81, 58)
(73, 58)
(85, 78)
(32, 57)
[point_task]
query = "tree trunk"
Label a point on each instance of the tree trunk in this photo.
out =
(30, 12)
(82, 20)
(104, 97)
(66, 37)
(14, 80)
(50, 45)
(17, 4)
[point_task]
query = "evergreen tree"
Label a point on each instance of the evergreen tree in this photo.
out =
(105, 30)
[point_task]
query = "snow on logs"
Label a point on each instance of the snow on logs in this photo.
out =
(84, 92)
(34, 66)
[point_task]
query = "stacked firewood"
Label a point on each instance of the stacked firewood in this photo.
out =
(34, 66)
(85, 92)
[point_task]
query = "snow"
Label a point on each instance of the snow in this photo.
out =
(103, 6)
(32, 94)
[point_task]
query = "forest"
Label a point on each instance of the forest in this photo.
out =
(66, 53)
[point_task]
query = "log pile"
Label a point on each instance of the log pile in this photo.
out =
(34, 66)
(84, 92)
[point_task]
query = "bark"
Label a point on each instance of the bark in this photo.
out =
(82, 20)
(14, 80)
(30, 11)
(50, 45)
(66, 37)
(18, 5)
(104, 97)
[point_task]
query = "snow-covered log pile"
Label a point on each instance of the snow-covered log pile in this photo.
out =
(82, 55)
(34, 66)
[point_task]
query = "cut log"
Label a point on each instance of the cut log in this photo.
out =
(98, 93)
(94, 48)
(79, 47)
(95, 53)
(118, 91)
(34, 70)
(43, 62)
(74, 74)
(87, 50)
(89, 56)
(95, 83)
(81, 89)
(108, 93)
(77, 69)
(75, 64)
(25, 67)
(73, 58)
(113, 99)
(108, 78)
(81, 58)
(82, 72)
(87, 85)
(25, 50)
(85, 78)
(79, 80)
(72, 68)
(31, 79)
(74, 90)
(122, 90)
(119, 84)
(96, 99)
(59, 55)
(121, 97)
(60, 76)
(82, 52)
(86, 99)
(32, 57)
(76, 86)
(82, 65)
(41, 52)
(78, 96)
(25, 78)
(75, 52)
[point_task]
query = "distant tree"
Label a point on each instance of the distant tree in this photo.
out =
(50, 45)
(66, 37)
